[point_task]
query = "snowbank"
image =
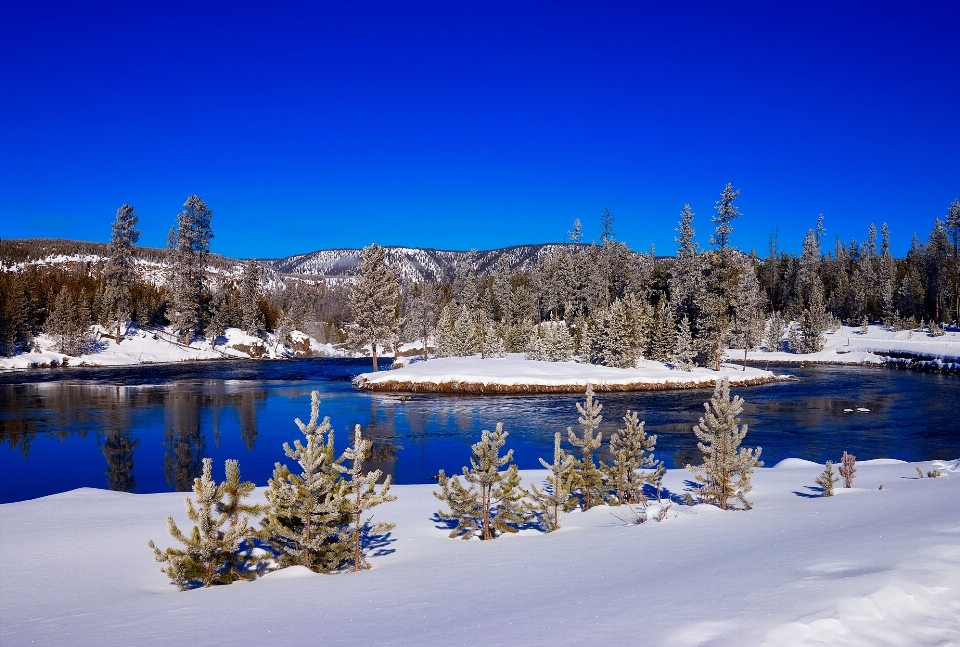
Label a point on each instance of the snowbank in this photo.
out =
(867, 568)
(514, 374)
(160, 346)
(878, 346)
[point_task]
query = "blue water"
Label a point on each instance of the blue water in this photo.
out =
(146, 428)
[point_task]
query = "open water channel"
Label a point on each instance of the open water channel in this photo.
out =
(146, 428)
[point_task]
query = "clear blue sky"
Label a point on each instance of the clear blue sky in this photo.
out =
(476, 124)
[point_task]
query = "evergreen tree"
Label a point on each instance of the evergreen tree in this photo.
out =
(465, 342)
(814, 322)
(775, 330)
(306, 518)
(374, 300)
(209, 553)
(219, 314)
(663, 341)
(848, 469)
(588, 478)
(282, 332)
(952, 226)
(726, 212)
(631, 449)
(69, 324)
(423, 314)
(685, 278)
(555, 496)
(119, 273)
(189, 244)
(727, 468)
(827, 480)
(240, 564)
(444, 336)
(249, 298)
(492, 502)
(683, 351)
(363, 496)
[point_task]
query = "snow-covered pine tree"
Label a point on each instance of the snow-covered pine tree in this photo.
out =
(465, 341)
(555, 496)
(306, 519)
(282, 332)
(423, 314)
(209, 551)
(216, 325)
(617, 349)
(363, 496)
(588, 478)
(249, 297)
(119, 273)
(726, 212)
(683, 351)
(848, 469)
(794, 338)
(444, 335)
(663, 340)
(632, 451)
(727, 468)
(189, 244)
(536, 346)
(814, 322)
(773, 335)
(685, 278)
(492, 502)
(69, 323)
(827, 479)
(239, 564)
(373, 300)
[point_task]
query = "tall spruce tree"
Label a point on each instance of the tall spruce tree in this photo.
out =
(249, 297)
(374, 300)
(492, 502)
(189, 244)
(727, 468)
(726, 212)
(119, 273)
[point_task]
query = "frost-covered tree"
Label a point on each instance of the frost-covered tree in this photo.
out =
(814, 322)
(363, 496)
(219, 314)
(119, 273)
(827, 479)
(249, 297)
(444, 334)
(663, 339)
(773, 335)
(726, 212)
(239, 564)
(189, 244)
(588, 478)
(632, 451)
(683, 351)
(282, 332)
(685, 278)
(555, 496)
(727, 468)
(305, 522)
(69, 323)
(492, 502)
(465, 341)
(423, 313)
(848, 469)
(374, 300)
(209, 555)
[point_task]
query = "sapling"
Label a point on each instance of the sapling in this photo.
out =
(727, 467)
(919, 472)
(848, 469)
(493, 501)
(556, 494)
(827, 479)
(934, 474)
(588, 478)
(363, 496)
(209, 555)
(630, 448)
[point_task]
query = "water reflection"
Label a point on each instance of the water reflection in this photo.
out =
(152, 427)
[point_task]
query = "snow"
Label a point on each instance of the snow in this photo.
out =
(517, 374)
(877, 568)
(155, 346)
(849, 346)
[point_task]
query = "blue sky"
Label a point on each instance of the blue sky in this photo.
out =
(477, 124)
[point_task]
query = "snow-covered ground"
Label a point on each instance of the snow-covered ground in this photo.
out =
(849, 346)
(866, 567)
(515, 374)
(158, 346)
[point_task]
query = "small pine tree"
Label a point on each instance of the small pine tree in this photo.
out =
(588, 478)
(493, 502)
(865, 325)
(848, 469)
(773, 337)
(556, 495)
(363, 496)
(727, 468)
(209, 555)
(630, 448)
(827, 480)
(306, 516)
(794, 339)
(239, 565)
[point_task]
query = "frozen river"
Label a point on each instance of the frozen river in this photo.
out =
(146, 428)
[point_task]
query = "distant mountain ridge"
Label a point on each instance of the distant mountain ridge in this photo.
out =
(409, 263)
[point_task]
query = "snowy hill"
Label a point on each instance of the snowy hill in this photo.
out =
(409, 263)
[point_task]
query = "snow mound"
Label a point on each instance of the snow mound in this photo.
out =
(793, 463)
(291, 573)
(882, 461)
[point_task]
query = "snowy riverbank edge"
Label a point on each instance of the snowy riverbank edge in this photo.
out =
(865, 567)
(514, 374)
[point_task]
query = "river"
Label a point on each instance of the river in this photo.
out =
(147, 428)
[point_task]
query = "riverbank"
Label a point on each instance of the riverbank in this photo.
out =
(514, 374)
(160, 346)
(912, 349)
(865, 567)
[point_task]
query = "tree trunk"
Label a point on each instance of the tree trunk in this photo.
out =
(118, 333)
(373, 351)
